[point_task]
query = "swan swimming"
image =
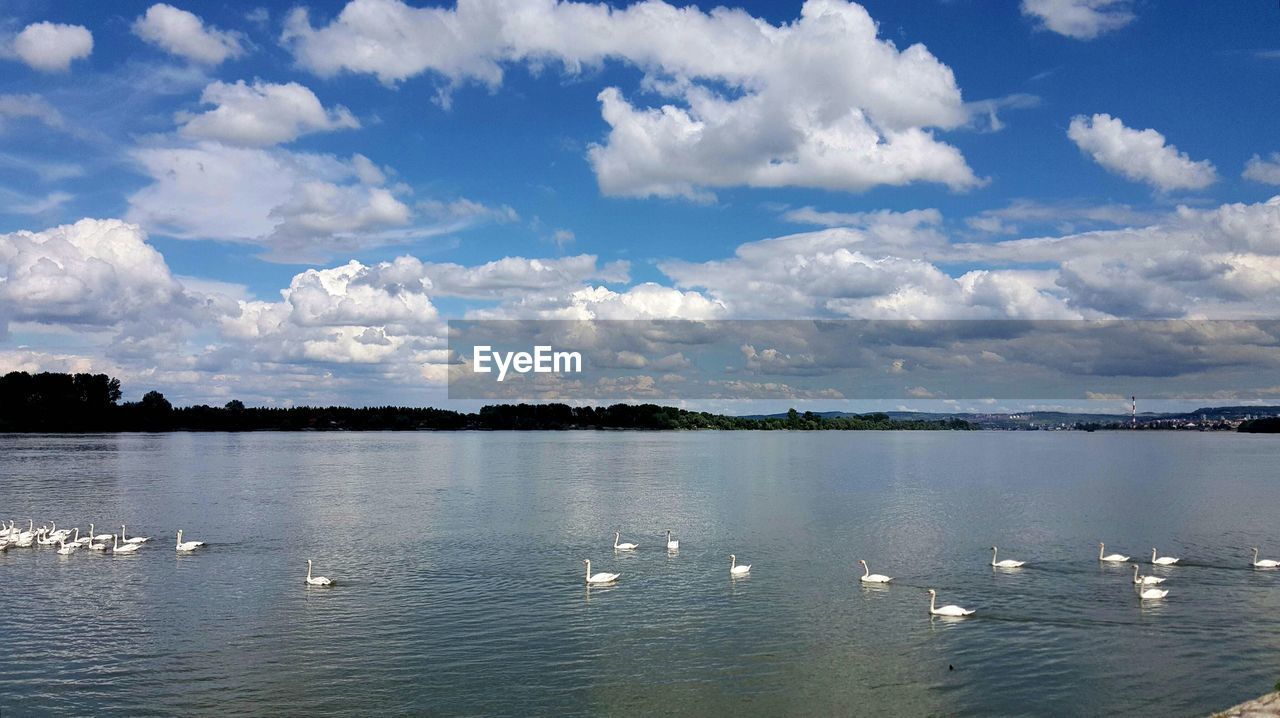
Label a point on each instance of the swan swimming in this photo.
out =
(1154, 593)
(1112, 558)
(117, 547)
(318, 580)
(946, 610)
(66, 549)
(623, 546)
(735, 569)
(187, 546)
(1163, 560)
(1007, 563)
(1145, 580)
(1264, 563)
(868, 577)
(672, 545)
(599, 578)
(133, 540)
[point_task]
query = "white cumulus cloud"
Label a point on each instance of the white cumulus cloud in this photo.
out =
(298, 205)
(262, 114)
(1079, 19)
(184, 34)
(93, 272)
(822, 101)
(1262, 170)
(51, 47)
(1139, 155)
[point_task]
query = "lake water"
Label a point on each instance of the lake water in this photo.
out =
(459, 583)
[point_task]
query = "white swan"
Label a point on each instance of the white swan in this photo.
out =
(1145, 580)
(1163, 560)
(1007, 563)
(97, 546)
(187, 545)
(134, 540)
(1264, 563)
(868, 577)
(946, 610)
(623, 546)
(56, 533)
(1153, 593)
(599, 578)
(1112, 558)
(735, 569)
(99, 537)
(672, 545)
(318, 580)
(117, 547)
(47, 539)
(66, 549)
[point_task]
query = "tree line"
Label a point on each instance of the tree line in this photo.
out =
(54, 402)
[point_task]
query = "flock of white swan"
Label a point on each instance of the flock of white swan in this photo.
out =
(69, 541)
(1146, 585)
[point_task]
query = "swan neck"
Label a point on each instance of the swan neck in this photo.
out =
(994, 551)
(866, 569)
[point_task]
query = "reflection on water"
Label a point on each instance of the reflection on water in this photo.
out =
(459, 585)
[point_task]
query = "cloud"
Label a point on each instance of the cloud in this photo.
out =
(51, 47)
(818, 102)
(465, 210)
(1139, 155)
(562, 238)
(29, 107)
(298, 205)
(336, 331)
(984, 114)
(1066, 217)
(1266, 171)
(648, 300)
(93, 272)
(184, 34)
(37, 205)
(868, 272)
(518, 276)
(1079, 19)
(261, 114)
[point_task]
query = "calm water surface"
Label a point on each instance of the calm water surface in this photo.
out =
(457, 558)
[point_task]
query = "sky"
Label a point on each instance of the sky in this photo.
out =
(286, 203)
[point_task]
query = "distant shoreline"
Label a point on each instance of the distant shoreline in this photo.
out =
(90, 403)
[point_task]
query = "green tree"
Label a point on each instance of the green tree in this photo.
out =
(153, 402)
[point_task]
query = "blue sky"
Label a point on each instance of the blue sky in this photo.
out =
(493, 159)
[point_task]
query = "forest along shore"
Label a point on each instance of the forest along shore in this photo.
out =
(74, 403)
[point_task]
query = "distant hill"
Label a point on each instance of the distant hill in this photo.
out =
(1214, 417)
